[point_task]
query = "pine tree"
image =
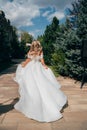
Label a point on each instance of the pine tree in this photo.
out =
(70, 39)
(49, 38)
(80, 23)
(76, 33)
(5, 44)
(25, 38)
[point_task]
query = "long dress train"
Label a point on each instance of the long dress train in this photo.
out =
(40, 95)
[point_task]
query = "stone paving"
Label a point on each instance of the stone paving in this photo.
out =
(74, 115)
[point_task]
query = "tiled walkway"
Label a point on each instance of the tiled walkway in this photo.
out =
(74, 115)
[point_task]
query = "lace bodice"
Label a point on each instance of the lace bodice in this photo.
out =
(37, 57)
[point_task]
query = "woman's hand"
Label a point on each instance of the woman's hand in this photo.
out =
(45, 66)
(23, 64)
(43, 63)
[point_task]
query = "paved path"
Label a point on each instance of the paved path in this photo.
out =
(74, 115)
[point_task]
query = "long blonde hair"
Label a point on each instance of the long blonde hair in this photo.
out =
(36, 46)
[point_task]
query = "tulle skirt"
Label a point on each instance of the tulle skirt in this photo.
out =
(40, 96)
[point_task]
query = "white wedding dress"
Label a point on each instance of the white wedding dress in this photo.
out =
(40, 96)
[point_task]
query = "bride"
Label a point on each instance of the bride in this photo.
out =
(40, 96)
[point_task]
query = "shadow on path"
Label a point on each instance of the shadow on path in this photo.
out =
(64, 107)
(11, 69)
(8, 107)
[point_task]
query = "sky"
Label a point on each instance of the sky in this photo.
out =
(34, 15)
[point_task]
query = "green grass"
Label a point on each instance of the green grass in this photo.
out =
(55, 73)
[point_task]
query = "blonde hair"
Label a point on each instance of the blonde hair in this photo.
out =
(36, 46)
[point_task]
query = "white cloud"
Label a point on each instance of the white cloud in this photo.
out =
(32, 33)
(35, 33)
(59, 4)
(20, 13)
(45, 14)
(59, 15)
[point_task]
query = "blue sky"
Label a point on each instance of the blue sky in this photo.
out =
(34, 15)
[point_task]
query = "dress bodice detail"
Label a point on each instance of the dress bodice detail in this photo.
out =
(36, 58)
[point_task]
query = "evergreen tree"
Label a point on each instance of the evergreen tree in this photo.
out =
(80, 21)
(25, 38)
(70, 39)
(5, 45)
(59, 55)
(49, 39)
(15, 44)
(9, 43)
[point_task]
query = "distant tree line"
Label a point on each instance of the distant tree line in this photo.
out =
(10, 46)
(62, 43)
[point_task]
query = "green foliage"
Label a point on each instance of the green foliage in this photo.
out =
(15, 48)
(70, 38)
(8, 39)
(25, 38)
(10, 47)
(5, 45)
(73, 55)
(58, 61)
(82, 20)
(49, 38)
(40, 38)
(62, 43)
(80, 13)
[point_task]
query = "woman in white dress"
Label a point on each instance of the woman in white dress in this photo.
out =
(40, 96)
